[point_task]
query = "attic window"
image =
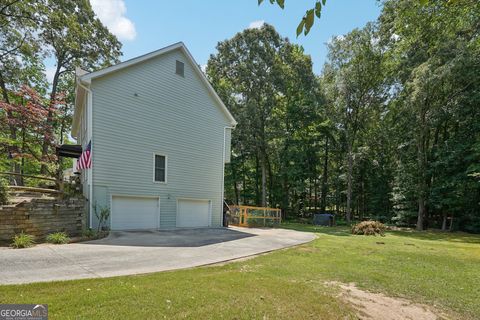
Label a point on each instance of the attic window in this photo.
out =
(180, 68)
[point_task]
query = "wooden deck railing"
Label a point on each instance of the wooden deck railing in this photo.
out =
(250, 216)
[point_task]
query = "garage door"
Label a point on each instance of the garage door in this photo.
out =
(193, 213)
(130, 213)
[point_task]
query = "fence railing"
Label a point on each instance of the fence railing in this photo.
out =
(22, 182)
(249, 216)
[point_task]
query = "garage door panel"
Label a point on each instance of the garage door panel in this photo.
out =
(130, 213)
(193, 213)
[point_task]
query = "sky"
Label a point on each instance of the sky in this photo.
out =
(147, 25)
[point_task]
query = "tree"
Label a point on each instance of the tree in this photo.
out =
(69, 32)
(18, 22)
(430, 47)
(27, 112)
(269, 86)
(75, 38)
(354, 83)
(308, 19)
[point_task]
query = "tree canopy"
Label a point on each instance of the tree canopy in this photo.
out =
(389, 130)
(35, 108)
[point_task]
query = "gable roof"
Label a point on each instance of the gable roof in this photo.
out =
(86, 78)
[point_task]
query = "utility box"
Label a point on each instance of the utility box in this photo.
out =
(324, 219)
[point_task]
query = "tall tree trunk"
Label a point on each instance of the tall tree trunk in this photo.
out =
(286, 195)
(53, 94)
(244, 170)
(323, 200)
(362, 204)
(263, 165)
(235, 185)
(257, 181)
(421, 162)
(270, 181)
(444, 221)
(12, 149)
(349, 183)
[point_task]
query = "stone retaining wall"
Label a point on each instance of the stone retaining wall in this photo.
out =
(41, 216)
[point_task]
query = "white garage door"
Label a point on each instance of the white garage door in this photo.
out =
(193, 213)
(129, 213)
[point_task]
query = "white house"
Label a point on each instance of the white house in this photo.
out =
(160, 137)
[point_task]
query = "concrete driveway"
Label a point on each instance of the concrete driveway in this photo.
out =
(126, 253)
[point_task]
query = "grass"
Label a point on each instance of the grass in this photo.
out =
(58, 238)
(438, 269)
(22, 240)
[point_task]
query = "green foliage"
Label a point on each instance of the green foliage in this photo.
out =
(308, 19)
(67, 32)
(58, 238)
(369, 228)
(89, 233)
(271, 91)
(102, 214)
(22, 240)
(4, 195)
(388, 131)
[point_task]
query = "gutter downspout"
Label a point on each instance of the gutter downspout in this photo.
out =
(223, 165)
(89, 138)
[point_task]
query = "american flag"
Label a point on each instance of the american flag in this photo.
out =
(85, 160)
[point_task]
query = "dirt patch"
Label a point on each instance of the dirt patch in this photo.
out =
(378, 306)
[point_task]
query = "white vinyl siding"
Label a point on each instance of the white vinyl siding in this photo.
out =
(147, 108)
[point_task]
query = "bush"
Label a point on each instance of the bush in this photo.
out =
(102, 217)
(58, 238)
(22, 240)
(369, 228)
(4, 196)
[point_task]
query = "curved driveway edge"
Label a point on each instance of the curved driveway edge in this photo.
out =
(128, 253)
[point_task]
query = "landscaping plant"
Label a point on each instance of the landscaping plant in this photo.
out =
(58, 238)
(102, 217)
(89, 233)
(4, 196)
(369, 228)
(22, 240)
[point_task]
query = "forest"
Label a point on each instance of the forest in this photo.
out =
(390, 129)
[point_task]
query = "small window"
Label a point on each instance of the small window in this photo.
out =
(160, 169)
(180, 68)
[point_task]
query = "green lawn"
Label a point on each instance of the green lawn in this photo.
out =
(434, 268)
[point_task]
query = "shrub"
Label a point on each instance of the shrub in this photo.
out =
(369, 228)
(102, 217)
(22, 240)
(4, 196)
(89, 233)
(58, 238)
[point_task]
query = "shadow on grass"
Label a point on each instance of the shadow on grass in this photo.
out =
(341, 231)
(459, 237)
(344, 231)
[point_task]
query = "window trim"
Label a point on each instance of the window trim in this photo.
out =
(166, 167)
